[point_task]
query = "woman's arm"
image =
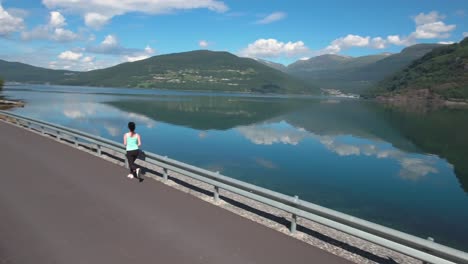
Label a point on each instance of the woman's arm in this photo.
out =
(125, 140)
(139, 140)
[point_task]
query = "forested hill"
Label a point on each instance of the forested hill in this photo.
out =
(442, 72)
(195, 70)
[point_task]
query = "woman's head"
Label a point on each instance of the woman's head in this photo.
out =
(131, 126)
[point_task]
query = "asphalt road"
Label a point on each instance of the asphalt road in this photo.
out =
(61, 205)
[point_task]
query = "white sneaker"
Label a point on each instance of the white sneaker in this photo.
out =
(130, 176)
(138, 172)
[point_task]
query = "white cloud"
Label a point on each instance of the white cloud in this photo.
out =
(203, 44)
(57, 20)
(399, 41)
(63, 35)
(110, 41)
(70, 55)
(146, 53)
(9, 23)
(95, 20)
(88, 59)
(97, 13)
(433, 30)
(378, 43)
(347, 42)
(54, 30)
(465, 34)
(273, 48)
(273, 17)
(111, 46)
(431, 17)
(136, 58)
(445, 42)
(428, 26)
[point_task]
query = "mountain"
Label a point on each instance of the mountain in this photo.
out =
(274, 65)
(443, 72)
(195, 70)
(355, 74)
(20, 72)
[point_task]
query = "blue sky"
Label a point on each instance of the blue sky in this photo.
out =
(91, 34)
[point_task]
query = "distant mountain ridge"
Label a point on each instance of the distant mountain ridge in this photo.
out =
(355, 74)
(194, 70)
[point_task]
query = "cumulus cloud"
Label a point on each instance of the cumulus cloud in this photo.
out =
(70, 55)
(9, 23)
(465, 34)
(431, 17)
(111, 46)
(88, 59)
(98, 13)
(273, 17)
(203, 44)
(57, 20)
(349, 41)
(433, 30)
(445, 42)
(146, 53)
(54, 30)
(428, 26)
(272, 48)
(95, 20)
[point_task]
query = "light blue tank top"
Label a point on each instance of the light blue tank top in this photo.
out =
(132, 142)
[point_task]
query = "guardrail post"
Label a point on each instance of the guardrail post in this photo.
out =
(42, 130)
(216, 194)
(126, 163)
(28, 125)
(432, 240)
(293, 226)
(76, 141)
(98, 149)
(165, 177)
(58, 136)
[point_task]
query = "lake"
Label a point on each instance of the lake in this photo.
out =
(403, 169)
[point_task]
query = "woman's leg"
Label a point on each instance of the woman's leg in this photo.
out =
(131, 161)
(132, 156)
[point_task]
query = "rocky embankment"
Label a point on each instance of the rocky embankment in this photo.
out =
(420, 100)
(6, 104)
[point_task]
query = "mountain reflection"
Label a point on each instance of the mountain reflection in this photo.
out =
(268, 121)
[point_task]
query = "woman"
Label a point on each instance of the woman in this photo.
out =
(132, 142)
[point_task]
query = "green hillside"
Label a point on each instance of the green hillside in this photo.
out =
(355, 74)
(442, 72)
(195, 70)
(20, 72)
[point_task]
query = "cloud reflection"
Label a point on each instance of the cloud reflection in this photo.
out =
(268, 134)
(271, 134)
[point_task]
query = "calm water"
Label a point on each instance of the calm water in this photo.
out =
(404, 170)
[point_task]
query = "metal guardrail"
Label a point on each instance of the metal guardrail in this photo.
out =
(425, 250)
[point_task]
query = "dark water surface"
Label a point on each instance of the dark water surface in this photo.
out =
(404, 170)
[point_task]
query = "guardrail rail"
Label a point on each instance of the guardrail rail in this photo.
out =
(425, 250)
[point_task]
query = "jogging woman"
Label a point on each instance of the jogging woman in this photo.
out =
(132, 142)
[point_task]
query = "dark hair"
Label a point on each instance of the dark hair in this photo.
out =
(131, 126)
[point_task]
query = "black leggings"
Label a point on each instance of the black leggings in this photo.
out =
(132, 155)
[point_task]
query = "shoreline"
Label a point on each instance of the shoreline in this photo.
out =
(7, 104)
